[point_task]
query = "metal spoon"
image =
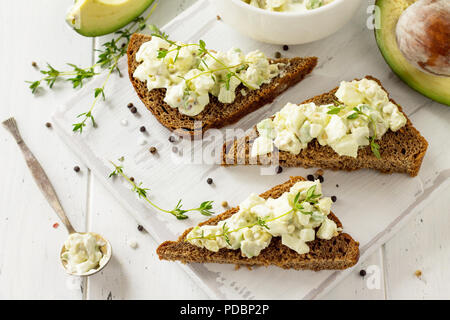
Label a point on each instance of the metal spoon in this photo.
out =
(44, 184)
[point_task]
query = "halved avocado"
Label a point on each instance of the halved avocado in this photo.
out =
(431, 86)
(93, 18)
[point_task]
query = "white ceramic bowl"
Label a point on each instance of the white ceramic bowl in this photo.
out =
(286, 27)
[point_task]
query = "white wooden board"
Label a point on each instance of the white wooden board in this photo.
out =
(371, 206)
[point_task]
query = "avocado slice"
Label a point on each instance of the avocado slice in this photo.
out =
(431, 86)
(92, 18)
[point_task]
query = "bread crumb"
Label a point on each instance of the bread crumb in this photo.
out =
(319, 172)
(224, 204)
(237, 266)
(218, 18)
(418, 273)
(249, 268)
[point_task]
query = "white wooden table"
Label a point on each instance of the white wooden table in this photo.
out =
(29, 245)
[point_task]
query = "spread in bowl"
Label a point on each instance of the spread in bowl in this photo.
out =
(288, 5)
(361, 114)
(190, 72)
(297, 216)
(82, 253)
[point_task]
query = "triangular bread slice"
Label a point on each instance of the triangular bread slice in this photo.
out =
(216, 114)
(340, 252)
(400, 151)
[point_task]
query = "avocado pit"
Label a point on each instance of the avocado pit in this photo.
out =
(423, 36)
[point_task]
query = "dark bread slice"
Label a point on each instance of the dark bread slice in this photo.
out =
(401, 151)
(215, 114)
(340, 252)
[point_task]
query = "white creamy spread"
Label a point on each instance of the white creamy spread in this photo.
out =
(258, 220)
(83, 252)
(189, 74)
(362, 112)
(288, 5)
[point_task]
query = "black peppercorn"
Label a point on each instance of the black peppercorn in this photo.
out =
(172, 139)
(48, 125)
(140, 228)
(277, 55)
(132, 179)
(152, 150)
(209, 181)
(130, 105)
(142, 129)
(321, 179)
(279, 169)
(310, 177)
(133, 110)
(362, 273)
(76, 169)
(333, 198)
(285, 47)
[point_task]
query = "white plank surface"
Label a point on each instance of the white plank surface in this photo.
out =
(423, 246)
(26, 232)
(29, 246)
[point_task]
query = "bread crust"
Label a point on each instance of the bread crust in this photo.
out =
(340, 252)
(402, 151)
(215, 114)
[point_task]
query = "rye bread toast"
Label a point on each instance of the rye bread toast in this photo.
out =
(340, 252)
(401, 151)
(215, 114)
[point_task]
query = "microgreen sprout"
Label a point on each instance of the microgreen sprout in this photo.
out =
(108, 59)
(375, 147)
(202, 53)
(178, 212)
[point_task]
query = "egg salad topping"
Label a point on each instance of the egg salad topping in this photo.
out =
(288, 5)
(361, 114)
(190, 72)
(297, 216)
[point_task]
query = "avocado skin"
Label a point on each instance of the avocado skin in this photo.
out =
(434, 87)
(114, 27)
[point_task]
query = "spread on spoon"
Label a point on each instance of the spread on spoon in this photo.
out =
(83, 253)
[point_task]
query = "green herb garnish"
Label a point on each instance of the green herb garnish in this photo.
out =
(373, 145)
(178, 212)
(108, 59)
(202, 53)
(336, 107)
